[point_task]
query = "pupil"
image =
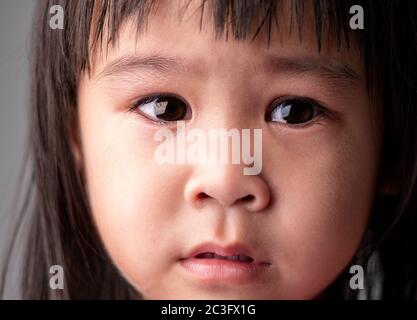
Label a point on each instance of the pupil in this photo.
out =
(170, 109)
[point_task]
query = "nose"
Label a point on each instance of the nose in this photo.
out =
(227, 186)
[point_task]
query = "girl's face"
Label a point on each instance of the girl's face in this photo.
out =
(298, 222)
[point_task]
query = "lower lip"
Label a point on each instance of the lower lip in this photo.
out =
(221, 270)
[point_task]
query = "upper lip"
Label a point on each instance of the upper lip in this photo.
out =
(234, 249)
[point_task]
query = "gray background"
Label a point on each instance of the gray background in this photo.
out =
(15, 28)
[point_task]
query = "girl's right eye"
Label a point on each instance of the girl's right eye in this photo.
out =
(162, 108)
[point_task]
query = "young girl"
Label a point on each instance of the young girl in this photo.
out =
(336, 106)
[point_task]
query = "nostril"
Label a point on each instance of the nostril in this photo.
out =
(248, 198)
(202, 196)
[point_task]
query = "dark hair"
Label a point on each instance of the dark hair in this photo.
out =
(61, 230)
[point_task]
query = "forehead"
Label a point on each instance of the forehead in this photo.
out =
(192, 30)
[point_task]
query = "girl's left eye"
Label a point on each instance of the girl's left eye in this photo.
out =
(295, 111)
(162, 108)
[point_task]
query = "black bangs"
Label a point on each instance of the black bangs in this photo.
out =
(243, 19)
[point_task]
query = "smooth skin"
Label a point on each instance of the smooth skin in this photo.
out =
(307, 210)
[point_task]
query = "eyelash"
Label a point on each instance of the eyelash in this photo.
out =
(323, 112)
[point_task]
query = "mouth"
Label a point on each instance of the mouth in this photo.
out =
(232, 264)
(213, 255)
(232, 252)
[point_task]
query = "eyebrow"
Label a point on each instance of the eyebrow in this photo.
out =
(153, 63)
(159, 64)
(328, 68)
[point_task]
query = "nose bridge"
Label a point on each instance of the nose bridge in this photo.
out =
(233, 137)
(227, 104)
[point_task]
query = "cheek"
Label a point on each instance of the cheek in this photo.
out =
(323, 186)
(131, 202)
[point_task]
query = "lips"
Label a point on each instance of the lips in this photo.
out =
(235, 263)
(232, 252)
(213, 255)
